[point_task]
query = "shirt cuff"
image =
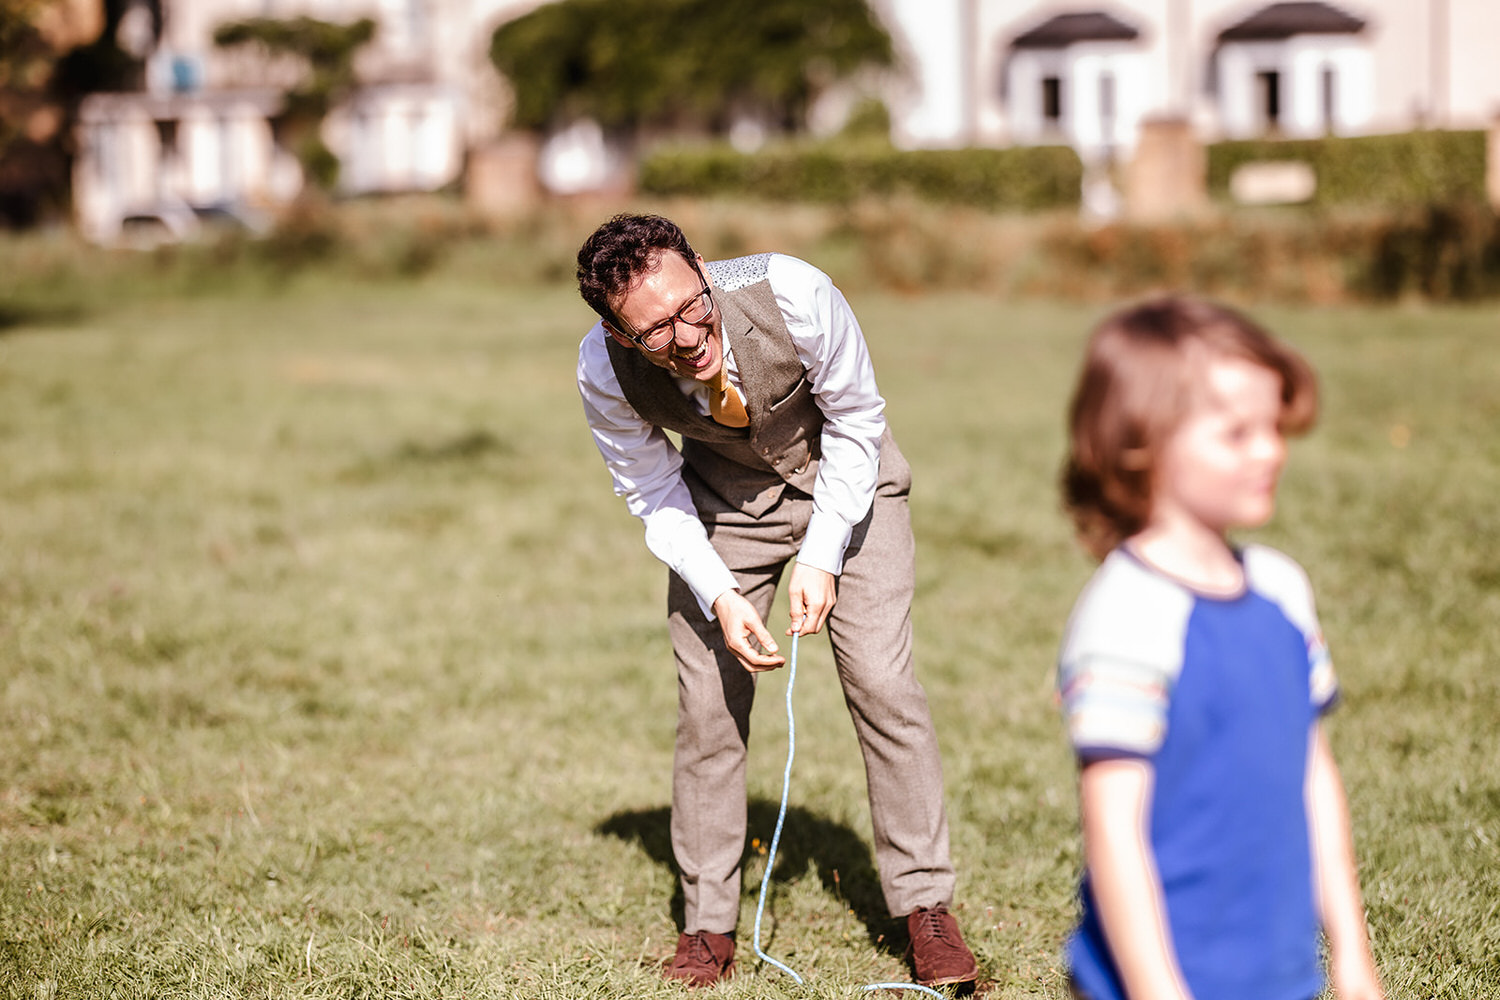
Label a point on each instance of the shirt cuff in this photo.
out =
(707, 583)
(824, 544)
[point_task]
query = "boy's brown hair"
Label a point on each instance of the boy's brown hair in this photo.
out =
(1135, 389)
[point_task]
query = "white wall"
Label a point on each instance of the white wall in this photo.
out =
(397, 138)
(932, 107)
(1082, 70)
(1473, 97)
(1300, 63)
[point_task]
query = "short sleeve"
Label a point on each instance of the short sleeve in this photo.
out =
(1121, 656)
(1113, 707)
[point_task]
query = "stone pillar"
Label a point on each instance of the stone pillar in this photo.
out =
(1168, 176)
(501, 178)
(1492, 164)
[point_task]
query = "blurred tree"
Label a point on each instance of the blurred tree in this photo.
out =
(633, 63)
(327, 51)
(26, 62)
(52, 53)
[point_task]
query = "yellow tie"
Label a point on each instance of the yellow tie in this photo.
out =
(724, 403)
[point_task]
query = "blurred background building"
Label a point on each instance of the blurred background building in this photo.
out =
(1009, 71)
(203, 128)
(207, 124)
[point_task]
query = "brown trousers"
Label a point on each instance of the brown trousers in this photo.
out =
(870, 632)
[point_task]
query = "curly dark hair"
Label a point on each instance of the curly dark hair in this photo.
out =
(619, 252)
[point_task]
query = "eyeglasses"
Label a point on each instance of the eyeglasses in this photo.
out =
(695, 313)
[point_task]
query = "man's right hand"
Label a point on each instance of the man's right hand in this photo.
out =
(743, 631)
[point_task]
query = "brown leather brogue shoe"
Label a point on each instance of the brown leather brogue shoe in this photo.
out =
(938, 953)
(702, 958)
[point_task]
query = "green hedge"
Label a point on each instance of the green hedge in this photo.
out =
(1018, 179)
(1444, 253)
(1412, 168)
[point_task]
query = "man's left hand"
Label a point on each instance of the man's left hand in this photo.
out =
(813, 593)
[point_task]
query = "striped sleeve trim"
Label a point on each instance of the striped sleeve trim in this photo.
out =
(1115, 706)
(1120, 659)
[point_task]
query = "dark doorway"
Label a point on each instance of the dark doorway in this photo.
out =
(1268, 97)
(1052, 102)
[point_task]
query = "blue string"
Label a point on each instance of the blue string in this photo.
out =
(765, 879)
(786, 787)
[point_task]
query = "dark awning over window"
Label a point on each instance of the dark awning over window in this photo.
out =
(1283, 20)
(1065, 29)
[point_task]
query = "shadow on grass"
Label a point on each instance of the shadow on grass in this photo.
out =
(810, 844)
(14, 314)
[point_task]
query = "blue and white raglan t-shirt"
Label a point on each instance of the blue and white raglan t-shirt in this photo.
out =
(1219, 696)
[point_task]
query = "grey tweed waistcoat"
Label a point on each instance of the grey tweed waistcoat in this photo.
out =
(746, 466)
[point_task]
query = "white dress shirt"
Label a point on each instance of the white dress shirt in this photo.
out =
(646, 466)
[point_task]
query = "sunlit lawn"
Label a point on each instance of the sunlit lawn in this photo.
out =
(331, 667)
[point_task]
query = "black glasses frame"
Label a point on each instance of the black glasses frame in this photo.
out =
(670, 324)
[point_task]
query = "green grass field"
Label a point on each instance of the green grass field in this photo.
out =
(331, 667)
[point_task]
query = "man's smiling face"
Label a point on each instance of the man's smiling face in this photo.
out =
(659, 299)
